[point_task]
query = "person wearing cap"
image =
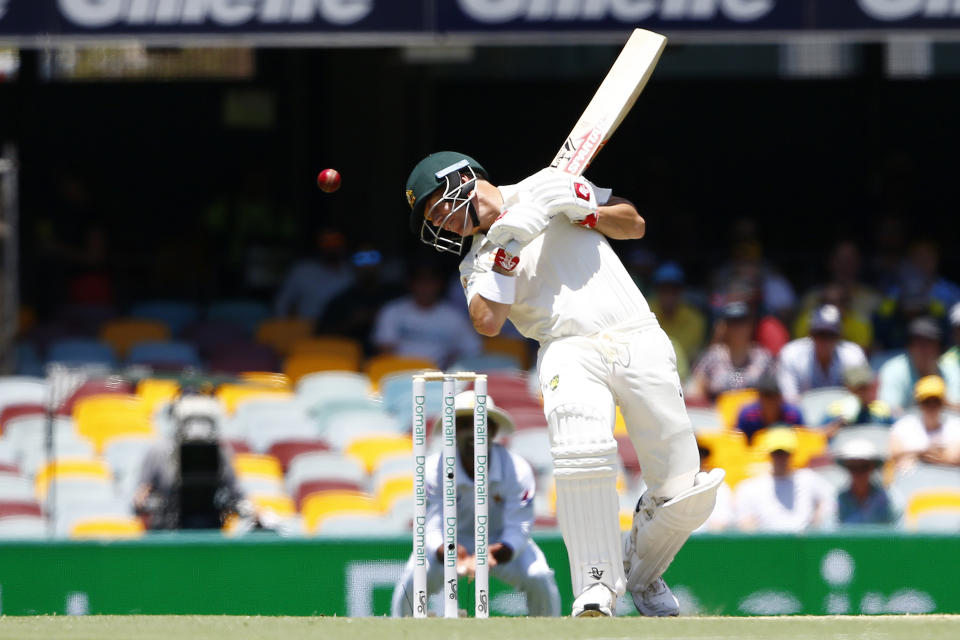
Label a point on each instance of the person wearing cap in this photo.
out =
(930, 436)
(684, 323)
(854, 326)
(950, 361)
(513, 556)
(899, 375)
(865, 501)
(861, 407)
(538, 254)
(786, 499)
(733, 361)
(820, 359)
(768, 410)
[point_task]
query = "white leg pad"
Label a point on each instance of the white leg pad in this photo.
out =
(661, 528)
(585, 465)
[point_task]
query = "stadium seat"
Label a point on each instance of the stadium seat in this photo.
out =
(298, 365)
(876, 434)
(329, 345)
(271, 379)
(107, 527)
(517, 348)
(12, 411)
(9, 508)
(376, 367)
(232, 394)
(246, 314)
(123, 333)
(311, 487)
(81, 351)
(933, 509)
(815, 403)
(30, 430)
(323, 466)
(103, 417)
(164, 354)
(287, 450)
(66, 470)
(352, 524)
(23, 527)
(396, 389)
(213, 337)
(125, 455)
(93, 387)
(316, 388)
(533, 445)
(344, 426)
(22, 390)
(320, 506)
(257, 465)
(370, 449)
(528, 418)
(280, 334)
(279, 504)
(728, 450)
(268, 420)
(157, 391)
(486, 362)
(176, 314)
(392, 489)
(33, 453)
(729, 404)
(16, 488)
(924, 477)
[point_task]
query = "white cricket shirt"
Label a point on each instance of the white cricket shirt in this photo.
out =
(569, 281)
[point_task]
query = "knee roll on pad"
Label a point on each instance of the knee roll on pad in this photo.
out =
(661, 528)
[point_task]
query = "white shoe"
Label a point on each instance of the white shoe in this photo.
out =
(597, 600)
(656, 600)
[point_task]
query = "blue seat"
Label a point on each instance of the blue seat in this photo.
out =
(247, 314)
(397, 392)
(175, 314)
(79, 351)
(28, 360)
(483, 362)
(164, 354)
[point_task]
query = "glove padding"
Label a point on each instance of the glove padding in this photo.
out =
(518, 225)
(559, 192)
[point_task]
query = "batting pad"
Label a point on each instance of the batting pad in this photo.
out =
(661, 529)
(585, 472)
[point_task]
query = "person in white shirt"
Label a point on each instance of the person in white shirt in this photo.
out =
(513, 556)
(424, 325)
(313, 281)
(930, 436)
(785, 500)
(539, 257)
(820, 359)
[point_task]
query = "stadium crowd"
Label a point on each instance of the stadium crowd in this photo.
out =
(827, 407)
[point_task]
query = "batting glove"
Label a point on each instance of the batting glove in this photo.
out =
(559, 192)
(518, 225)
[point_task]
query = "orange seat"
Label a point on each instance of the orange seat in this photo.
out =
(329, 345)
(281, 334)
(231, 394)
(298, 365)
(372, 448)
(71, 468)
(107, 527)
(103, 417)
(123, 333)
(156, 391)
(379, 366)
(280, 504)
(729, 404)
(252, 464)
(318, 506)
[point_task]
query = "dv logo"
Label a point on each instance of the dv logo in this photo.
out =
(596, 573)
(421, 601)
(453, 589)
(483, 602)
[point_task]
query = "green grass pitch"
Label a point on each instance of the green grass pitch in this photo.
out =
(694, 628)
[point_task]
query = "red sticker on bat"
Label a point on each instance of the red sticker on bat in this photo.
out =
(582, 190)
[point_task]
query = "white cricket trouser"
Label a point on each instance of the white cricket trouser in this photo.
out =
(527, 572)
(583, 379)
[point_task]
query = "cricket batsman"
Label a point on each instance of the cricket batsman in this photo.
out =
(513, 556)
(539, 256)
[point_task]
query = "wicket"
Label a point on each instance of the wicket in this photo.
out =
(421, 433)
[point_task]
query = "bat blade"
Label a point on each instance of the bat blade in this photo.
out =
(612, 101)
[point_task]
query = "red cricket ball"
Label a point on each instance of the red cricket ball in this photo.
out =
(328, 180)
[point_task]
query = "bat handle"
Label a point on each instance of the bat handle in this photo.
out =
(513, 248)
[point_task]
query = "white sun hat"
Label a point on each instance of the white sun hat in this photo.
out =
(463, 404)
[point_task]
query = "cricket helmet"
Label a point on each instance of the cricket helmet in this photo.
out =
(446, 170)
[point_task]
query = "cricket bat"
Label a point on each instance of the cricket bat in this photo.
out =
(612, 101)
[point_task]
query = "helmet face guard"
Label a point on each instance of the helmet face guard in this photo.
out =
(458, 195)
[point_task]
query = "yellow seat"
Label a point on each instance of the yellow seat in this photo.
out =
(392, 489)
(102, 417)
(256, 465)
(107, 527)
(231, 394)
(931, 501)
(729, 451)
(318, 506)
(123, 333)
(280, 504)
(156, 391)
(300, 364)
(370, 449)
(329, 345)
(381, 365)
(730, 402)
(280, 334)
(269, 379)
(516, 347)
(71, 468)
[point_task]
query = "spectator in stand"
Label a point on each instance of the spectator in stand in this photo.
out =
(424, 325)
(820, 359)
(861, 300)
(312, 282)
(891, 322)
(950, 361)
(865, 501)
(930, 436)
(922, 266)
(683, 322)
(723, 511)
(900, 374)
(862, 408)
(734, 361)
(784, 500)
(854, 326)
(352, 312)
(769, 410)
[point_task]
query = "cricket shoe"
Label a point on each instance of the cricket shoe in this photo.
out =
(597, 601)
(656, 600)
